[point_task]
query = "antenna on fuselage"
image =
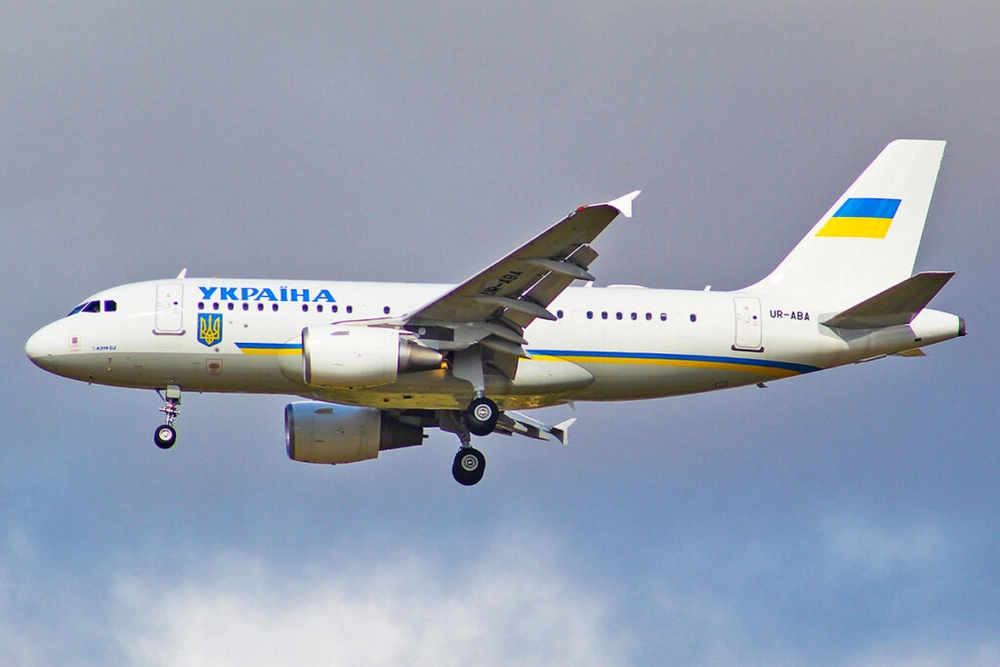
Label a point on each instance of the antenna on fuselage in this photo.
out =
(183, 274)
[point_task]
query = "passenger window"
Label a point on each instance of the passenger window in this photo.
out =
(246, 306)
(333, 308)
(230, 305)
(319, 308)
(634, 317)
(559, 314)
(350, 309)
(201, 306)
(110, 306)
(386, 310)
(274, 307)
(260, 307)
(215, 305)
(694, 318)
(604, 315)
(92, 307)
(618, 316)
(305, 308)
(649, 316)
(663, 317)
(590, 314)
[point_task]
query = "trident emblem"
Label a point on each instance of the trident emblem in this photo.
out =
(209, 328)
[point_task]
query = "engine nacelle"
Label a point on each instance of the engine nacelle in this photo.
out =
(324, 433)
(344, 356)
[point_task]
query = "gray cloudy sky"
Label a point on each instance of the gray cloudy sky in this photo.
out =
(844, 518)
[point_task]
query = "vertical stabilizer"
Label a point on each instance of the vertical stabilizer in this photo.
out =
(868, 240)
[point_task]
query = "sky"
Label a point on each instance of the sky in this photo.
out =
(843, 518)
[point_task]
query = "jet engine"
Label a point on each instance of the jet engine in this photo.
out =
(324, 433)
(343, 356)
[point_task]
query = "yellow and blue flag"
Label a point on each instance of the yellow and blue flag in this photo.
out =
(861, 217)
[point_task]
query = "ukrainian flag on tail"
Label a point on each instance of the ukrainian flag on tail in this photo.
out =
(867, 240)
(861, 217)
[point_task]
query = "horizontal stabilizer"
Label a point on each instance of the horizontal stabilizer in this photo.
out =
(897, 305)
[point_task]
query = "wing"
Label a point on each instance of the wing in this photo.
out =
(494, 306)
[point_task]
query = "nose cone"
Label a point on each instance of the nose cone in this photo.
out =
(43, 347)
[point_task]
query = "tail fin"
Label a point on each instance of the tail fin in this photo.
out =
(867, 242)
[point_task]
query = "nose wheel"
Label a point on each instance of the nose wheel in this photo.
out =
(165, 436)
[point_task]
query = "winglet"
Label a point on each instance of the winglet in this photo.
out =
(624, 203)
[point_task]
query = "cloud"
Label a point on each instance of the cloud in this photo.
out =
(514, 604)
(863, 546)
(514, 596)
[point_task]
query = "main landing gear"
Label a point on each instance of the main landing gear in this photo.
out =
(165, 436)
(469, 466)
(482, 415)
(480, 419)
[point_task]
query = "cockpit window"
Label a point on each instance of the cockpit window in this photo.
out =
(94, 307)
(110, 306)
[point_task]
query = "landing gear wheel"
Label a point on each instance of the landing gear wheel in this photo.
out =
(165, 436)
(482, 415)
(469, 466)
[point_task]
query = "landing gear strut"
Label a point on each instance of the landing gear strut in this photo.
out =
(165, 436)
(480, 418)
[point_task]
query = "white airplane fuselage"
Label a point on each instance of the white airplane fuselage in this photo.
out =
(385, 361)
(614, 343)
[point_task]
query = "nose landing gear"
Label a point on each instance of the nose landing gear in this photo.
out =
(165, 435)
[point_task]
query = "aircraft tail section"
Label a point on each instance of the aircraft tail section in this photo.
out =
(867, 242)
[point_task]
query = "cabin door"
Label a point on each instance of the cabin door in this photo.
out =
(748, 321)
(170, 308)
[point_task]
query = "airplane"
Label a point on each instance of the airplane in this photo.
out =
(378, 363)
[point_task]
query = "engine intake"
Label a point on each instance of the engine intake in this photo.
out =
(342, 356)
(324, 433)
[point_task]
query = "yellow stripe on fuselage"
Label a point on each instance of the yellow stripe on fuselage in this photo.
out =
(676, 363)
(270, 351)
